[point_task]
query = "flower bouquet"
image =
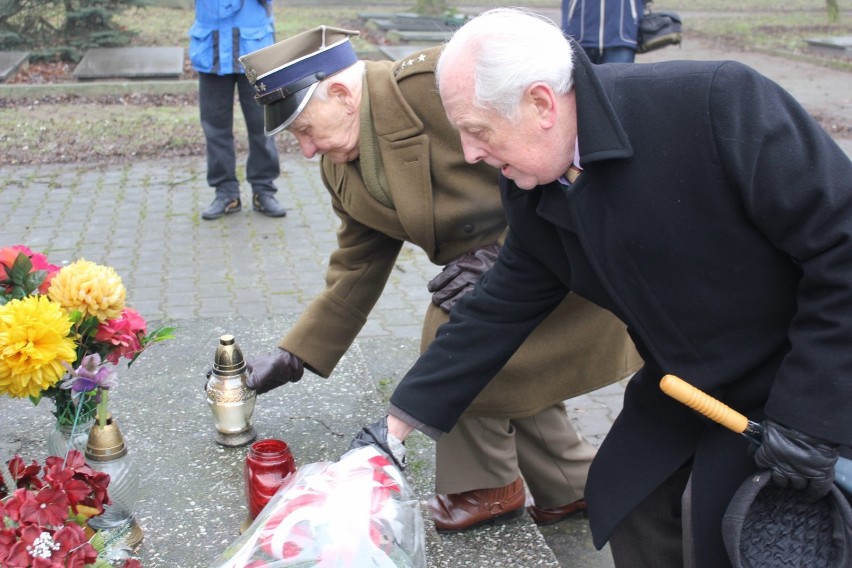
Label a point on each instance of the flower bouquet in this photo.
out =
(358, 511)
(43, 514)
(52, 318)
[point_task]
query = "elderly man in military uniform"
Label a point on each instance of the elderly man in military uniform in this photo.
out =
(395, 172)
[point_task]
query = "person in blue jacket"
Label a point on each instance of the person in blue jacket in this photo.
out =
(607, 30)
(223, 30)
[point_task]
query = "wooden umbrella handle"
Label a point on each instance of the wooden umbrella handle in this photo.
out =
(703, 403)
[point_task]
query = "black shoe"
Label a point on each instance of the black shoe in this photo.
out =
(268, 205)
(222, 206)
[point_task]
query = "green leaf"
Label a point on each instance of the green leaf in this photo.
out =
(20, 268)
(33, 280)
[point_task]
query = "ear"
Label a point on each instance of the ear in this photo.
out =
(542, 101)
(340, 92)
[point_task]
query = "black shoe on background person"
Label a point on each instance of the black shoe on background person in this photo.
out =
(268, 205)
(222, 206)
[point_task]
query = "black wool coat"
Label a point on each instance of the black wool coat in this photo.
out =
(714, 217)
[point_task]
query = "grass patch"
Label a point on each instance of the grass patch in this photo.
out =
(66, 132)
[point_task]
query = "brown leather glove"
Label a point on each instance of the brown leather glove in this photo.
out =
(273, 370)
(797, 460)
(459, 277)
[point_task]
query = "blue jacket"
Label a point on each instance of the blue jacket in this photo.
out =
(226, 29)
(602, 23)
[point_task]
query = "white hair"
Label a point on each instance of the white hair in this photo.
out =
(352, 77)
(512, 48)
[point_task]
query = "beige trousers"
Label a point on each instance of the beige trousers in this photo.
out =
(484, 452)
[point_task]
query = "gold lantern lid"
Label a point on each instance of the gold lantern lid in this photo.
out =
(107, 443)
(228, 361)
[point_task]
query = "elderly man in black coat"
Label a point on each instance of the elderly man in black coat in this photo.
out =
(705, 208)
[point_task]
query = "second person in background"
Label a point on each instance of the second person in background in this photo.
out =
(607, 30)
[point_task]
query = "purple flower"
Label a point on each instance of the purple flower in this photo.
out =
(90, 375)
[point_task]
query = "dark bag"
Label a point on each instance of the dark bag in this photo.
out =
(658, 30)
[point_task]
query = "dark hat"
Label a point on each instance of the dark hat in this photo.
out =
(767, 526)
(286, 74)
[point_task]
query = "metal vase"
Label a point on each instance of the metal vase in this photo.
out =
(230, 400)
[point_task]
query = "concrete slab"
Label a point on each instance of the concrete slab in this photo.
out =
(11, 62)
(831, 46)
(130, 63)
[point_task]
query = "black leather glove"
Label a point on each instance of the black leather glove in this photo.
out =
(376, 434)
(797, 460)
(273, 370)
(459, 276)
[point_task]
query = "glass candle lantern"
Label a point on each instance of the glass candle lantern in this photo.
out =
(107, 452)
(268, 464)
(230, 400)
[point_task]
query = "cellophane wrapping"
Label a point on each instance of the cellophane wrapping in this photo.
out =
(356, 512)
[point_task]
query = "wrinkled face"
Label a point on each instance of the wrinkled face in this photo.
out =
(328, 127)
(523, 149)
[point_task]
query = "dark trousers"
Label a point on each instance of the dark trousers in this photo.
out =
(610, 54)
(216, 103)
(658, 533)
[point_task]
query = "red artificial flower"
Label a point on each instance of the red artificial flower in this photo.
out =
(124, 333)
(48, 507)
(35, 528)
(74, 548)
(8, 537)
(132, 563)
(82, 484)
(13, 504)
(25, 475)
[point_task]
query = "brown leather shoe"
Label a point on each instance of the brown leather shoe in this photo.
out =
(545, 516)
(462, 511)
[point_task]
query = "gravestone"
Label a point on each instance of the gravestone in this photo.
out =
(398, 36)
(11, 62)
(407, 27)
(831, 46)
(130, 63)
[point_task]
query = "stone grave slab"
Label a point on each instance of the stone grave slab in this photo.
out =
(840, 46)
(11, 62)
(399, 36)
(130, 63)
(396, 52)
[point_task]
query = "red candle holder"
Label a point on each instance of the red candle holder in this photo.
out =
(268, 464)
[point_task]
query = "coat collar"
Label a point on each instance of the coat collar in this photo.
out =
(598, 128)
(599, 133)
(393, 116)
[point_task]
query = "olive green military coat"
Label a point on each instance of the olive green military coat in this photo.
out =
(446, 207)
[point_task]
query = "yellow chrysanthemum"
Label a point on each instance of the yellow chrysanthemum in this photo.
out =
(34, 343)
(94, 289)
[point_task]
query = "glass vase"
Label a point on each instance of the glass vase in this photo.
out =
(69, 437)
(74, 419)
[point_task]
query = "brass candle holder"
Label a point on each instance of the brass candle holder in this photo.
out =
(230, 400)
